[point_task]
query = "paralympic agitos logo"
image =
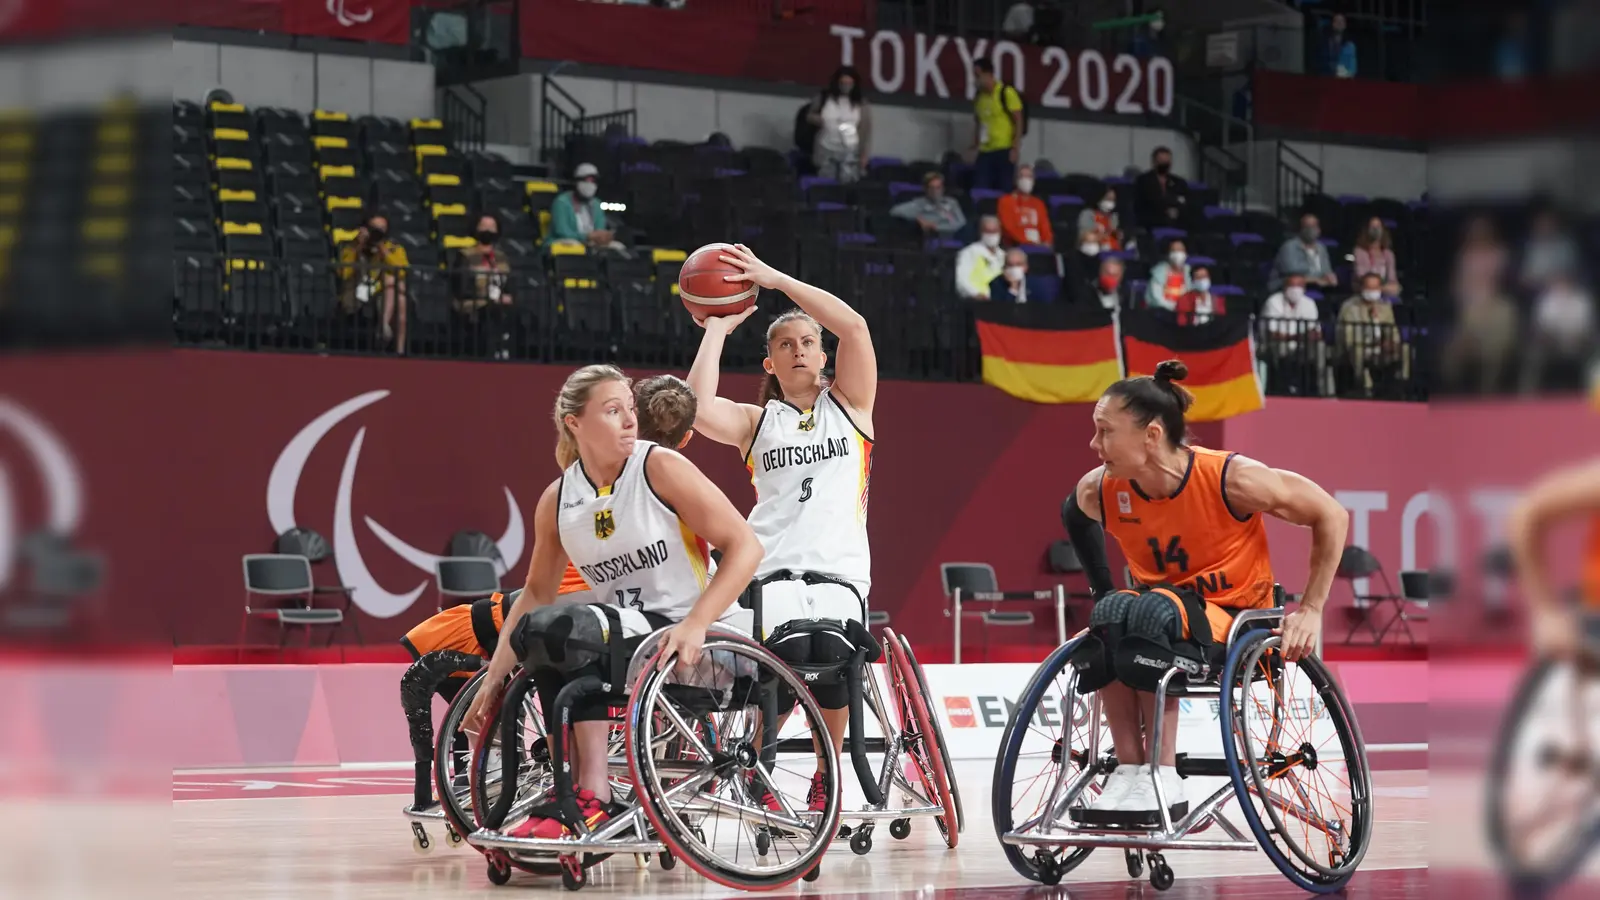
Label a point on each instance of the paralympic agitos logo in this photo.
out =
(367, 593)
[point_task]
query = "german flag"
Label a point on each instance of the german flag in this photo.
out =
(1220, 355)
(1048, 353)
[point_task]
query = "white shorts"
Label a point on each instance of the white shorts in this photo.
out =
(575, 598)
(786, 601)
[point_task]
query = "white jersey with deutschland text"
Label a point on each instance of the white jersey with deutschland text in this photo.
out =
(628, 544)
(810, 469)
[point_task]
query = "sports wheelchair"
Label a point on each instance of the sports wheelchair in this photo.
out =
(698, 746)
(914, 734)
(1308, 807)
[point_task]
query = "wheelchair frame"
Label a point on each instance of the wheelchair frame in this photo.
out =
(572, 855)
(1054, 829)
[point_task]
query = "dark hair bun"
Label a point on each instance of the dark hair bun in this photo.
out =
(1171, 370)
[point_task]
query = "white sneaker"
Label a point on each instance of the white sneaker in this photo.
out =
(1142, 797)
(1118, 784)
(1172, 786)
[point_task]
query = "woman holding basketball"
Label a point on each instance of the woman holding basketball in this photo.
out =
(808, 445)
(635, 518)
(1189, 523)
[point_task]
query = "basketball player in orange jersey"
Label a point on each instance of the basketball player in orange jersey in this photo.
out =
(1189, 522)
(1558, 631)
(808, 446)
(448, 647)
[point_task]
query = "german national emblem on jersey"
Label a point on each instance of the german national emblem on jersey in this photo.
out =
(809, 422)
(605, 525)
(1124, 502)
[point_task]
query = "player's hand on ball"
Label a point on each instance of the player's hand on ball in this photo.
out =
(724, 324)
(1301, 631)
(755, 270)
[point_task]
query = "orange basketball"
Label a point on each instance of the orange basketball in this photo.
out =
(703, 289)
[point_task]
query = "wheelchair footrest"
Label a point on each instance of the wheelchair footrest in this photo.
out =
(1113, 818)
(1203, 767)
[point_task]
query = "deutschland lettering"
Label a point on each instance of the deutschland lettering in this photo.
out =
(781, 457)
(646, 557)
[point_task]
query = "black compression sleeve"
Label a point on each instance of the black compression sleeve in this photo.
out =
(1089, 542)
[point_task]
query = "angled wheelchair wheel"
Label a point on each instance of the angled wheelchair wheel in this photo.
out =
(938, 729)
(695, 752)
(1297, 761)
(1541, 818)
(1054, 756)
(510, 777)
(452, 780)
(924, 742)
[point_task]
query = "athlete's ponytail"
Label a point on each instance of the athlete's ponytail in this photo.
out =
(770, 388)
(571, 401)
(1159, 396)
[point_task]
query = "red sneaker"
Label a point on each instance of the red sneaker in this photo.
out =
(817, 797)
(764, 796)
(545, 825)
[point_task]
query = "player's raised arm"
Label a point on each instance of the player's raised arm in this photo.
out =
(719, 418)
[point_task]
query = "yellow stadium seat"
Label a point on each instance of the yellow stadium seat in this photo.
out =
(229, 134)
(543, 187)
(113, 229)
(323, 141)
(662, 254)
(16, 142)
(119, 195)
(449, 209)
(10, 204)
(105, 265)
(226, 196)
(440, 179)
(674, 289)
(118, 164)
(544, 224)
(568, 248)
(235, 265)
(458, 241)
(241, 228)
(426, 124)
(323, 115)
(338, 171)
(579, 283)
(122, 133)
(219, 106)
(344, 202)
(345, 235)
(228, 162)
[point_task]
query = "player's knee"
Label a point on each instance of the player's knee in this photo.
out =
(1154, 640)
(564, 639)
(1094, 655)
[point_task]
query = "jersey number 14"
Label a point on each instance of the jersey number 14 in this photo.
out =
(1174, 554)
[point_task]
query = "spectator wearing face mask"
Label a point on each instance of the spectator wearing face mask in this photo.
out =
(1011, 285)
(935, 213)
(372, 267)
(1024, 219)
(1561, 339)
(1303, 255)
(1106, 289)
(576, 215)
(1368, 338)
(1099, 229)
(1293, 339)
(980, 262)
(844, 128)
(1160, 197)
(1169, 279)
(1338, 52)
(1199, 305)
(482, 274)
(1374, 255)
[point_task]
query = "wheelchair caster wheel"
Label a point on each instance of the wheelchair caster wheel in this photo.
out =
(453, 838)
(763, 842)
(667, 860)
(861, 842)
(1161, 877)
(1135, 863)
(900, 829)
(572, 875)
(419, 838)
(814, 873)
(499, 869)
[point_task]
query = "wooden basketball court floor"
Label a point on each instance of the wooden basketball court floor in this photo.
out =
(338, 834)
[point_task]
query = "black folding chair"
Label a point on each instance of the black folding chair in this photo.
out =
(975, 582)
(1357, 562)
(465, 578)
(282, 577)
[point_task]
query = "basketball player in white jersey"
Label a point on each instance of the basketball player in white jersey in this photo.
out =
(808, 446)
(635, 518)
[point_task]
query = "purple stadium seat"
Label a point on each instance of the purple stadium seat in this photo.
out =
(808, 181)
(878, 268)
(1240, 238)
(829, 207)
(727, 173)
(940, 243)
(1118, 180)
(1389, 223)
(1056, 200)
(986, 194)
(880, 161)
(1350, 199)
(640, 167)
(1227, 290)
(1212, 212)
(1166, 234)
(1201, 261)
(854, 237)
(896, 188)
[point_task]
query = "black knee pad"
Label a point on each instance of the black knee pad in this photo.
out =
(1154, 639)
(1094, 657)
(819, 655)
(564, 639)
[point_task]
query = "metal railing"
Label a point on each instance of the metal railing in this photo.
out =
(1298, 178)
(562, 118)
(463, 110)
(567, 310)
(1224, 145)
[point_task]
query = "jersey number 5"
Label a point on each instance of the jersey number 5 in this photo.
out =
(805, 490)
(630, 597)
(1174, 554)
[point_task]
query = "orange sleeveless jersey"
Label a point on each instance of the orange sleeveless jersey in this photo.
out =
(452, 628)
(571, 581)
(1192, 539)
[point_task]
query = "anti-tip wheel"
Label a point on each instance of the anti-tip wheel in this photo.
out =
(573, 877)
(667, 860)
(453, 838)
(1161, 876)
(499, 872)
(1135, 863)
(814, 873)
(900, 829)
(861, 842)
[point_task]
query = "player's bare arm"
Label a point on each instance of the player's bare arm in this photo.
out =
(724, 421)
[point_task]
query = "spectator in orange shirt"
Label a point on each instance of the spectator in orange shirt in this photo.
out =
(1169, 279)
(1024, 219)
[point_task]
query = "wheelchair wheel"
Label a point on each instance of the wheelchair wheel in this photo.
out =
(451, 773)
(918, 725)
(1297, 761)
(938, 729)
(1054, 746)
(704, 804)
(1541, 821)
(507, 781)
